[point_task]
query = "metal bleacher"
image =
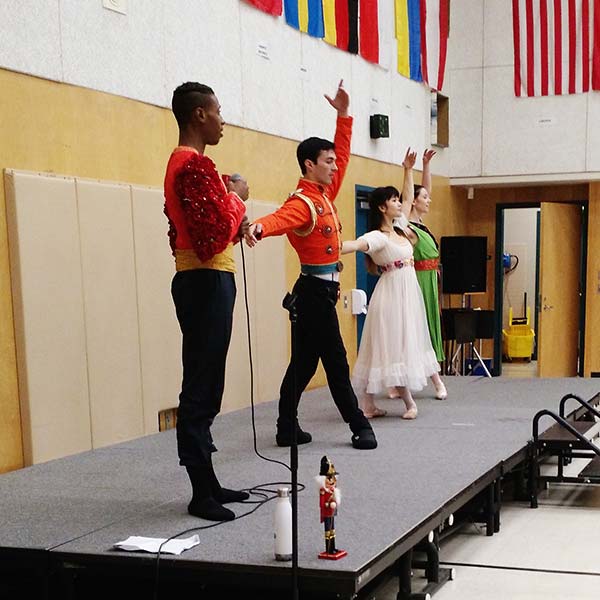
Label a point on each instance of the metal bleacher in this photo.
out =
(571, 436)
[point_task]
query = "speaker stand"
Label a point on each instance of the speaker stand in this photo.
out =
(461, 348)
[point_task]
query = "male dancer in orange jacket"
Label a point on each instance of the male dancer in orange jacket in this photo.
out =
(309, 219)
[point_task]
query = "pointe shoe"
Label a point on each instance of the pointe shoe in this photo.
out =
(411, 413)
(374, 413)
(440, 391)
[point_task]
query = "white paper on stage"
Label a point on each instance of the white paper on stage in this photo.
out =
(146, 544)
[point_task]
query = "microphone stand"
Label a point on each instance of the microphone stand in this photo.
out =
(289, 303)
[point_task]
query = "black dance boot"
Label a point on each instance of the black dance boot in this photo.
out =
(224, 495)
(284, 435)
(203, 503)
(364, 439)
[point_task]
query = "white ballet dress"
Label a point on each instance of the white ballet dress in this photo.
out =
(395, 347)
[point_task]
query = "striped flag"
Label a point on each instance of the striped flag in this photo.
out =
(435, 20)
(273, 7)
(554, 48)
(305, 15)
(422, 35)
(335, 18)
(408, 34)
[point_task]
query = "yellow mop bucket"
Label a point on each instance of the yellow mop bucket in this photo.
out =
(517, 340)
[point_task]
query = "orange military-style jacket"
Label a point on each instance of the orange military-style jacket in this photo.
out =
(309, 217)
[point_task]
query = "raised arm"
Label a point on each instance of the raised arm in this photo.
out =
(359, 245)
(426, 180)
(341, 101)
(343, 134)
(408, 188)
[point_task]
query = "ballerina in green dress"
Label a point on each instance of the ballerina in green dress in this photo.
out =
(426, 255)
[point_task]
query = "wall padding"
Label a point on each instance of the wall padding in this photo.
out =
(160, 338)
(269, 325)
(99, 346)
(49, 315)
(110, 305)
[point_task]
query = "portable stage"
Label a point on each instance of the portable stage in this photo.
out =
(60, 519)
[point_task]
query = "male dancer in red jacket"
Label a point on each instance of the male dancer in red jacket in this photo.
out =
(310, 220)
(204, 220)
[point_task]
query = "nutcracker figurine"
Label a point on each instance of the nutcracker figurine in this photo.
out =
(329, 500)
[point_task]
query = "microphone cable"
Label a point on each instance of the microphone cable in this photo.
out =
(250, 360)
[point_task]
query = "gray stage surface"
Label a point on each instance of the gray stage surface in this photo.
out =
(78, 507)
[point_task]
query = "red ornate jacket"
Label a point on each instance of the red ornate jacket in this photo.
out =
(204, 217)
(314, 232)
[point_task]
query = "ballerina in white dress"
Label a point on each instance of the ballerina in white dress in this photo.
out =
(395, 349)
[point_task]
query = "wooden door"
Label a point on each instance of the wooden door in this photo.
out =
(559, 307)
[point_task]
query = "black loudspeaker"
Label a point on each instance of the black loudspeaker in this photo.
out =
(467, 324)
(379, 126)
(464, 266)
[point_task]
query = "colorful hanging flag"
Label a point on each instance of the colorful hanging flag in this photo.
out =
(335, 18)
(414, 38)
(553, 43)
(408, 34)
(273, 7)
(329, 22)
(402, 37)
(305, 15)
(434, 41)
(369, 30)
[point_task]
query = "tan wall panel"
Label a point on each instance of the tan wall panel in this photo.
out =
(11, 443)
(110, 304)
(592, 319)
(237, 374)
(271, 329)
(160, 336)
(49, 317)
(266, 286)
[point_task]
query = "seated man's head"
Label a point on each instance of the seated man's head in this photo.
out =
(198, 111)
(316, 158)
(238, 184)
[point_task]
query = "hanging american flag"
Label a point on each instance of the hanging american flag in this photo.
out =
(556, 46)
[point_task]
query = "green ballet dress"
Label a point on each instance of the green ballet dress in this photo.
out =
(426, 257)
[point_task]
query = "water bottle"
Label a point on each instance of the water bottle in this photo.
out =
(283, 525)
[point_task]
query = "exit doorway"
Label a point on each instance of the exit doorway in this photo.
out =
(540, 274)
